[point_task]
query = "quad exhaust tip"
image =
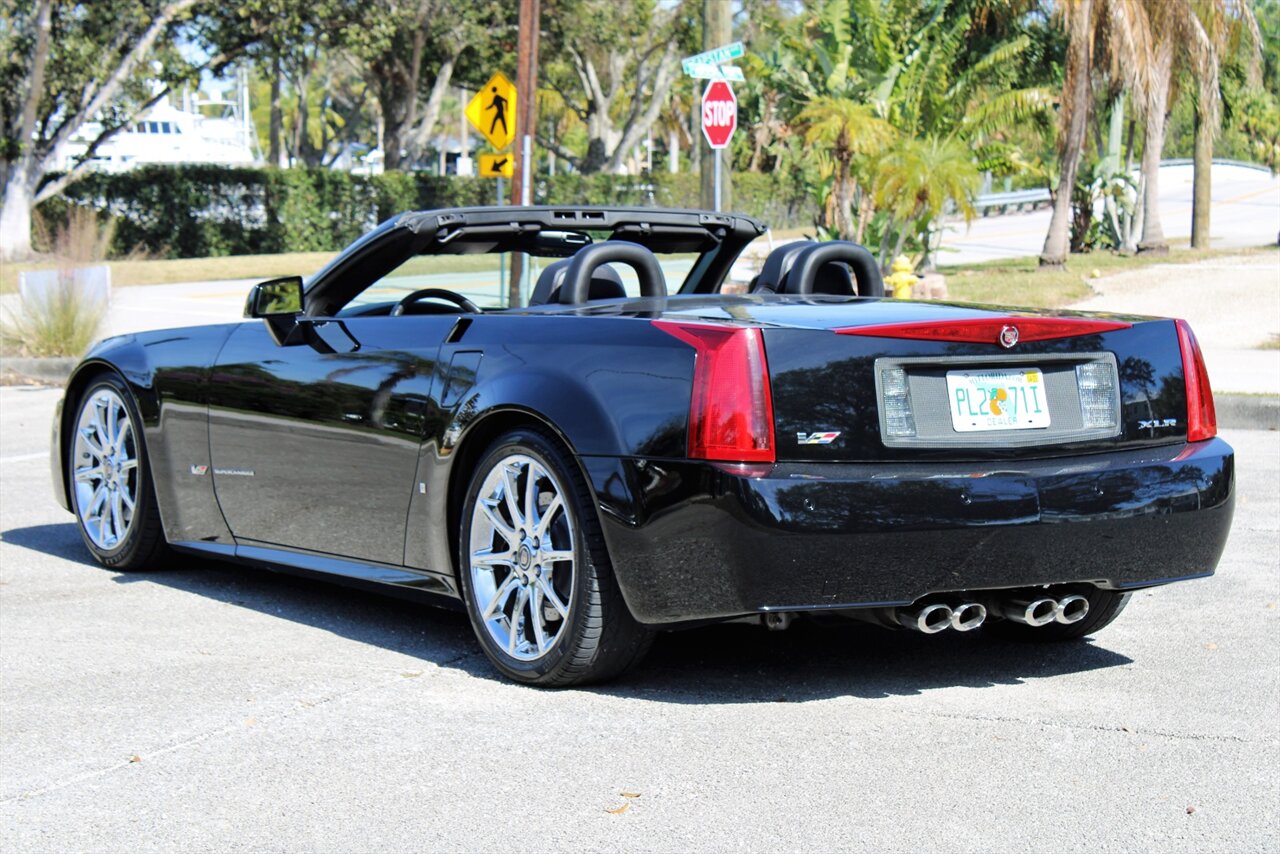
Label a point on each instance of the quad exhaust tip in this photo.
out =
(1071, 609)
(969, 616)
(1042, 612)
(938, 617)
(930, 619)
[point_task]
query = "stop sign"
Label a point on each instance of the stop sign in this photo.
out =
(719, 113)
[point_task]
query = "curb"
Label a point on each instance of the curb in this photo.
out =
(1235, 411)
(48, 371)
(1247, 411)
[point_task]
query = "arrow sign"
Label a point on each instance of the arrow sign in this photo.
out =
(497, 165)
(715, 56)
(715, 72)
(719, 113)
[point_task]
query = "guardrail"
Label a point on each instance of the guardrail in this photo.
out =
(1029, 200)
(1217, 161)
(1018, 200)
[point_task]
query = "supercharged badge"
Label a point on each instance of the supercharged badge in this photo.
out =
(817, 438)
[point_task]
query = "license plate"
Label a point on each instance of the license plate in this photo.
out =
(997, 399)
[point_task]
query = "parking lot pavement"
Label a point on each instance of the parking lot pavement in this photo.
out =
(215, 707)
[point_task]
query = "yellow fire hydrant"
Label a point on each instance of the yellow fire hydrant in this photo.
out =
(902, 279)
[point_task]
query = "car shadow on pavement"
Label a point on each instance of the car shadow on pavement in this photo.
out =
(437, 635)
(709, 665)
(821, 660)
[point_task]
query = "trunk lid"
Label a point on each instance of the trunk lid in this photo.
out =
(865, 380)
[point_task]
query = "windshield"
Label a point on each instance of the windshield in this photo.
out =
(484, 279)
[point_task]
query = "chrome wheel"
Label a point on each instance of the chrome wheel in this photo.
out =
(522, 557)
(104, 465)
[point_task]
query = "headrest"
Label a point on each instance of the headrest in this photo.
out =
(605, 283)
(773, 274)
(833, 278)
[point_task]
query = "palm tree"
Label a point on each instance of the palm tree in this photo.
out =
(1230, 31)
(915, 180)
(847, 130)
(1103, 35)
(1192, 34)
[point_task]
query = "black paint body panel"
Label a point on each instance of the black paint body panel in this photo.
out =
(690, 541)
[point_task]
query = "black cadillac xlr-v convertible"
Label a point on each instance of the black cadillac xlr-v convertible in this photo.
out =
(629, 454)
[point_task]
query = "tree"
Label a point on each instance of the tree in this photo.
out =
(848, 130)
(613, 65)
(1190, 33)
(289, 42)
(915, 180)
(945, 77)
(66, 65)
(1110, 38)
(1224, 31)
(412, 47)
(329, 107)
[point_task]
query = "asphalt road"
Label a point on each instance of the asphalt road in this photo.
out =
(210, 707)
(1244, 211)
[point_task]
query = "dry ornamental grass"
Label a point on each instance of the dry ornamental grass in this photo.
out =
(62, 319)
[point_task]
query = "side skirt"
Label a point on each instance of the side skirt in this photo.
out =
(379, 578)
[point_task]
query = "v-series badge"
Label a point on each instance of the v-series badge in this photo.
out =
(817, 438)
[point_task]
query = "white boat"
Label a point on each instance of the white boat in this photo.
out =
(169, 134)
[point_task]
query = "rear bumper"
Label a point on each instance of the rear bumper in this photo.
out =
(690, 542)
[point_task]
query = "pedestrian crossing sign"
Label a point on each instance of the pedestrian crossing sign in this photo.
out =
(493, 111)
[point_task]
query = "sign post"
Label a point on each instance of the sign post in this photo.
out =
(719, 121)
(492, 111)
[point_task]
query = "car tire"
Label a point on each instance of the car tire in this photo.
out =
(535, 572)
(107, 470)
(1104, 607)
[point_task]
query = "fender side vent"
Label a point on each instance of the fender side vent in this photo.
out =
(459, 329)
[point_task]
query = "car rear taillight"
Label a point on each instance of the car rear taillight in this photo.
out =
(731, 411)
(1202, 419)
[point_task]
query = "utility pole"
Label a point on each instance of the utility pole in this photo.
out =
(526, 118)
(717, 29)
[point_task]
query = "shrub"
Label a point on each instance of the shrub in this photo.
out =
(63, 318)
(200, 210)
(61, 321)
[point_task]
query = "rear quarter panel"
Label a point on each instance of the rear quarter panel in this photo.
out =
(609, 387)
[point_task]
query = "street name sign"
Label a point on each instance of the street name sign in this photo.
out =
(715, 72)
(715, 56)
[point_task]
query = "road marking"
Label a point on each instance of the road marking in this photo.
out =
(17, 458)
(1243, 196)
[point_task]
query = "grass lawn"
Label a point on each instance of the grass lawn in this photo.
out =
(1020, 282)
(169, 271)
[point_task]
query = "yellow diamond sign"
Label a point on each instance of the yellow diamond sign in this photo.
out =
(493, 111)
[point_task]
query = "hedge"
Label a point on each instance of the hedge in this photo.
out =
(199, 211)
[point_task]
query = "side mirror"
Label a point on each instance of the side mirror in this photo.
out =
(275, 298)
